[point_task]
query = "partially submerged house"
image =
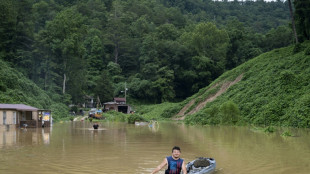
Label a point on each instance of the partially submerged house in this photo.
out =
(119, 105)
(21, 115)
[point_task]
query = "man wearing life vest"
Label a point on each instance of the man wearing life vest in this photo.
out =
(174, 162)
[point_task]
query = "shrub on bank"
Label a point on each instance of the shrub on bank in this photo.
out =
(59, 111)
(135, 117)
(274, 91)
(115, 116)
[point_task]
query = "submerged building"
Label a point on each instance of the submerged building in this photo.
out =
(21, 115)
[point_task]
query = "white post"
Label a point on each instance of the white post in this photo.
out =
(125, 93)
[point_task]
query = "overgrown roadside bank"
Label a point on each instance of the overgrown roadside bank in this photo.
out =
(274, 90)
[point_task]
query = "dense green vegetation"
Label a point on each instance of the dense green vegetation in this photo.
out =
(16, 88)
(157, 112)
(164, 50)
(274, 91)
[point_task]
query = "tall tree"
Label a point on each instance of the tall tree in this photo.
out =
(104, 87)
(302, 13)
(293, 20)
(116, 29)
(8, 18)
(64, 36)
(164, 84)
(209, 46)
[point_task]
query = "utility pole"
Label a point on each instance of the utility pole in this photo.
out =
(125, 93)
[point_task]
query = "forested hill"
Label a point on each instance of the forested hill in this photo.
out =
(274, 90)
(17, 89)
(162, 50)
(259, 15)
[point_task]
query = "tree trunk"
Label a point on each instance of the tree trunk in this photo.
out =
(46, 72)
(293, 20)
(116, 49)
(116, 41)
(64, 84)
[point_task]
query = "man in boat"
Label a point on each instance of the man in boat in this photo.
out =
(174, 162)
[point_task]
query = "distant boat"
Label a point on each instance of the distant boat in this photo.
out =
(201, 166)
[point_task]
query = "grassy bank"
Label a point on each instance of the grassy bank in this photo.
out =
(274, 91)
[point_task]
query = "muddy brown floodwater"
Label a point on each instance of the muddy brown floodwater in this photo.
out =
(75, 148)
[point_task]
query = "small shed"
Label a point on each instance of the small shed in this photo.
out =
(18, 115)
(119, 105)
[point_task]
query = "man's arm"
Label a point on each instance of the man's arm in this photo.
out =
(184, 168)
(158, 168)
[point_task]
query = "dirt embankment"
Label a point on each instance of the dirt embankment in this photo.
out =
(181, 115)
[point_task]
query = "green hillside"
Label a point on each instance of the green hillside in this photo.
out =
(164, 51)
(274, 90)
(16, 88)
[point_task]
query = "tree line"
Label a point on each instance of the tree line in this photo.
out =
(163, 50)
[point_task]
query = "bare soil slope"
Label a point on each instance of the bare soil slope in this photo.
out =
(181, 115)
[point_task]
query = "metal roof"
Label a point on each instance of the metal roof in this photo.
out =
(119, 99)
(110, 103)
(19, 107)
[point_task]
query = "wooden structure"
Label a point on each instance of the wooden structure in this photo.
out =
(119, 105)
(21, 115)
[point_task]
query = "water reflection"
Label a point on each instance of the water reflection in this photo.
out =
(24, 136)
(75, 147)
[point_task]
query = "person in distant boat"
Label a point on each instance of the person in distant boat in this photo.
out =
(96, 125)
(174, 162)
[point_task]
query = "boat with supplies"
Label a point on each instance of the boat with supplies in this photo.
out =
(201, 165)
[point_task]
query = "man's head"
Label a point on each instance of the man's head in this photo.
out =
(176, 151)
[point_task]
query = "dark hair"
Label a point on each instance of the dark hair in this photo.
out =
(176, 148)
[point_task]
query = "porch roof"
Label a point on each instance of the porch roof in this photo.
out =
(18, 107)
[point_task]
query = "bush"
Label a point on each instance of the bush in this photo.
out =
(230, 112)
(71, 118)
(298, 48)
(115, 116)
(135, 117)
(213, 115)
(287, 77)
(286, 134)
(74, 108)
(300, 115)
(270, 129)
(59, 111)
(307, 51)
(170, 112)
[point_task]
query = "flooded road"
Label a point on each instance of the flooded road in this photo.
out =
(74, 147)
